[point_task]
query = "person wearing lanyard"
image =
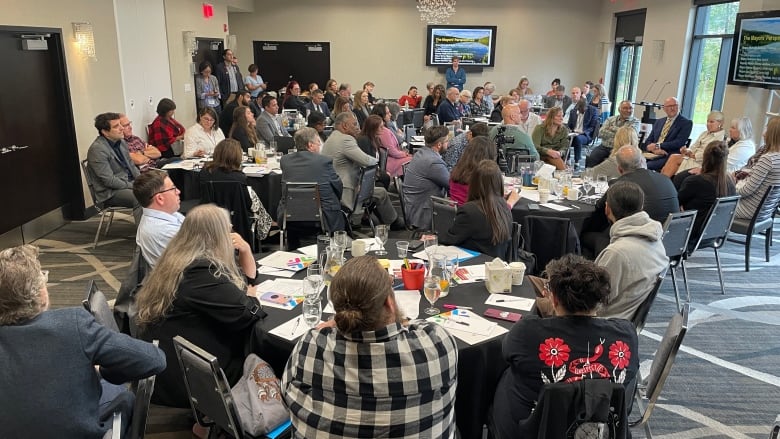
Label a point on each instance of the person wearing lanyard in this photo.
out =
(229, 77)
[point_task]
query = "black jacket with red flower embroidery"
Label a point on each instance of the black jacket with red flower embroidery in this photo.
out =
(561, 349)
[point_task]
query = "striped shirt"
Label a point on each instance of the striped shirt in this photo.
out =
(396, 382)
(764, 173)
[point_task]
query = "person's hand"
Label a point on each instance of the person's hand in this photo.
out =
(512, 197)
(329, 324)
(251, 290)
(684, 151)
(239, 243)
(199, 153)
(426, 118)
(694, 171)
(553, 154)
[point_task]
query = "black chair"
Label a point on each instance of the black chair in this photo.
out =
(418, 117)
(284, 143)
(383, 160)
(775, 429)
(208, 390)
(549, 238)
(143, 397)
(677, 232)
(443, 211)
(96, 304)
(761, 223)
(364, 193)
(659, 371)
(104, 211)
(514, 247)
(300, 203)
(640, 316)
(233, 196)
(714, 232)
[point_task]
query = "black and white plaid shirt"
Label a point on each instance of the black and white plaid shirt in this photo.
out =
(397, 382)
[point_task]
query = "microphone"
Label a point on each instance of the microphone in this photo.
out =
(648, 90)
(662, 90)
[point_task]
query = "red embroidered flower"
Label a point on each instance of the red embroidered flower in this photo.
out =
(619, 354)
(554, 352)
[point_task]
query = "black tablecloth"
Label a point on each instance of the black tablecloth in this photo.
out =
(479, 366)
(577, 215)
(267, 187)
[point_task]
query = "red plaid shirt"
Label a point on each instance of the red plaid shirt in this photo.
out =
(163, 132)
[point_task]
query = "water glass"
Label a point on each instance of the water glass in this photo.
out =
(432, 291)
(440, 267)
(312, 313)
(601, 184)
(340, 239)
(380, 235)
(311, 288)
(403, 248)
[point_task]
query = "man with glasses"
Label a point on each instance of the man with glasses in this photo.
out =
(668, 136)
(141, 153)
(607, 132)
(161, 219)
(110, 166)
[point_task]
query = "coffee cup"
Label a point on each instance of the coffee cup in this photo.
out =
(518, 272)
(358, 248)
(573, 194)
(544, 195)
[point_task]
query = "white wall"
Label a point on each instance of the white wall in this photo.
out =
(384, 42)
(143, 54)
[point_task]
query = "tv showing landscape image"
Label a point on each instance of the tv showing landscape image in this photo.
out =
(756, 55)
(475, 45)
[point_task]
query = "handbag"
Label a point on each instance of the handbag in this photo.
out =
(258, 398)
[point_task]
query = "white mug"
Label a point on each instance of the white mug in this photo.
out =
(573, 194)
(358, 248)
(544, 195)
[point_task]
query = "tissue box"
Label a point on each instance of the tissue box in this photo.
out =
(498, 277)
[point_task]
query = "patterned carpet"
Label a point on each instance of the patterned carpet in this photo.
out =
(724, 384)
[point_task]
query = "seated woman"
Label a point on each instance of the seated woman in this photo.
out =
(478, 149)
(331, 93)
(741, 145)
(691, 157)
(201, 138)
(387, 139)
(478, 105)
(551, 138)
(764, 173)
(432, 101)
(625, 135)
(340, 105)
(362, 108)
(165, 130)
(226, 166)
(411, 98)
(369, 142)
(495, 115)
(64, 374)
(243, 129)
(699, 191)
(485, 207)
(573, 345)
(197, 291)
(525, 90)
(292, 98)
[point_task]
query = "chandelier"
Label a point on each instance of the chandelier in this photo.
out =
(436, 11)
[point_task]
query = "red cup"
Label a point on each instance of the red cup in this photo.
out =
(413, 277)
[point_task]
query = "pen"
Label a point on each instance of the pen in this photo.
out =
(297, 322)
(450, 306)
(574, 206)
(460, 323)
(508, 300)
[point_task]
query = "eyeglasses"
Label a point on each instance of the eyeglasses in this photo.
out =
(207, 119)
(129, 124)
(167, 190)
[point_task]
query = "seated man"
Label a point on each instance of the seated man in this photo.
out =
(267, 123)
(660, 199)
(111, 167)
(459, 143)
(607, 132)
(142, 154)
(426, 175)
(367, 373)
(583, 121)
(559, 99)
(634, 236)
(63, 372)
(161, 219)
(528, 119)
(669, 134)
(316, 120)
(347, 157)
(522, 141)
(308, 165)
(576, 95)
(243, 98)
(448, 110)
(316, 104)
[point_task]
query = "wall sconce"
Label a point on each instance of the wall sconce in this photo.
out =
(190, 44)
(85, 39)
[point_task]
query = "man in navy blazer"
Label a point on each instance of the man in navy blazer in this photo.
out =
(583, 121)
(675, 138)
(316, 104)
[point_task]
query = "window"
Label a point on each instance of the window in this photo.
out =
(710, 55)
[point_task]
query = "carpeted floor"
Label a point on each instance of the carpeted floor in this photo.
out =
(724, 384)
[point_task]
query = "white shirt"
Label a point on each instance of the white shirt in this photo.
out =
(529, 125)
(196, 138)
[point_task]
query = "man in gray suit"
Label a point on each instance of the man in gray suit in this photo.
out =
(426, 175)
(559, 99)
(308, 165)
(111, 169)
(267, 125)
(347, 157)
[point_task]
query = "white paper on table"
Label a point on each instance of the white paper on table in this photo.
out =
(255, 170)
(478, 329)
(276, 171)
(418, 138)
(329, 308)
(530, 194)
(183, 164)
(554, 206)
(291, 329)
(470, 274)
(309, 250)
(271, 271)
(507, 301)
(286, 287)
(287, 260)
(408, 302)
(450, 251)
(546, 171)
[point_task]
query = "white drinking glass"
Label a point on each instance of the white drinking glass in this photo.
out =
(432, 291)
(312, 313)
(380, 235)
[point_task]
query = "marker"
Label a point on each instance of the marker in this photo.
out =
(450, 306)
(508, 300)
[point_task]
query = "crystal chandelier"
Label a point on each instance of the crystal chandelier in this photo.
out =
(436, 11)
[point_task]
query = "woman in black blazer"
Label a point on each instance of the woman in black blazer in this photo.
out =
(485, 207)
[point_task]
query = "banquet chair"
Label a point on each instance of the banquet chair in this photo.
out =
(640, 316)
(104, 211)
(364, 193)
(143, 397)
(660, 369)
(443, 211)
(300, 203)
(399, 185)
(115, 432)
(96, 304)
(383, 160)
(762, 223)
(775, 433)
(676, 233)
(233, 196)
(512, 254)
(714, 232)
(209, 391)
(548, 238)
(418, 117)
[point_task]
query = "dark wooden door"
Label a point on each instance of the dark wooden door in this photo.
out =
(41, 173)
(282, 61)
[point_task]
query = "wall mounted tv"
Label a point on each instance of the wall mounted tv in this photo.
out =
(475, 45)
(755, 57)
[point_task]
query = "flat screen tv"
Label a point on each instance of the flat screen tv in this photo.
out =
(475, 45)
(755, 57)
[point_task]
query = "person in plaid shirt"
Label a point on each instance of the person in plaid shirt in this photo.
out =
(165, 130)
(366, 373)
